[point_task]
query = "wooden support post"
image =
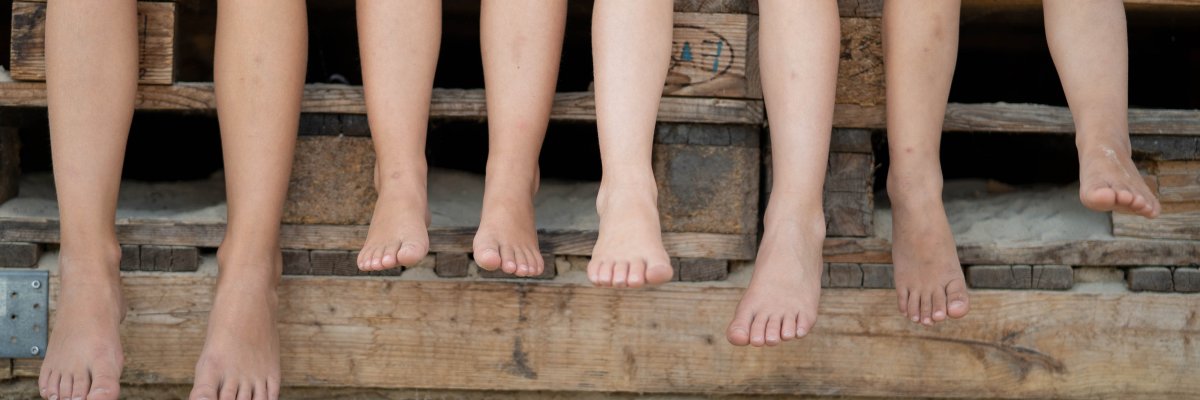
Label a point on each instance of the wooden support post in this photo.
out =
(1154, 279)
(843, 275)
(19, 255)
(10, 163)
(878, 276)
(702, 269)
(452, 265)
(168, 258)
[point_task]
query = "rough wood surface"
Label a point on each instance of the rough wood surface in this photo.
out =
(1178, 181)
(1024, 118)
(168, 258)
(710, 189)
(350, 332)
(860, 65)
(296, 262)
(1177, 184)
(1187, 280)
(131, 257)
(332, 181)
(843, 275)
(452, 265)
(1156, 279)
(1000, 276)
(702, 269)
(156, 42)
(1053, 277)
(447, 103)
(878, 276)
(10, 163)
(849, 201)
(19, 255)
(711, 56)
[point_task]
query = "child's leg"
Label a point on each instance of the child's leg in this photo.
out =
(91, 63)
(399, 43)
(631, 47)
(1090, 48)
(522, 45)
(259, 77)
(920, 45)
(798, 54)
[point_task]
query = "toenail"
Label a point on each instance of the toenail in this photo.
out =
(916, 318)
(957, 303)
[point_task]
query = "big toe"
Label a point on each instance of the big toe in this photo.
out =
(105, 383)
(738, 332)
(957, 301)
(412, 253)
(658, 272)
(488, 257)
(1099, 199)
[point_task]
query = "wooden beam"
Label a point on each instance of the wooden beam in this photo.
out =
(542, 337)
(468, 104)
(1024, 118)
(10, 163)
(156, 42)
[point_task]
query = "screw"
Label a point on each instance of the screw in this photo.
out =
(37, 284)
(35, 350)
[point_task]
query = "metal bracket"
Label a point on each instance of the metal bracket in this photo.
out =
(24, 311)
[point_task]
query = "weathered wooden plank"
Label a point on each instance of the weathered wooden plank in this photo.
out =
(19, 254)
(1184, 225)
(851, 141)
(1187, 280)
(711, 189)
(843, 275)
(168, 258)
(1170, 148)
(452, 265)
(711, 56)
(10, 163)
(878, 276)
(702, 269)
(332, 181)
(1178, 181)
(351, 237)
(1112, 252)
(296, 262)
(156, 42)
(860, 66)
(1053, 277)
(131, 257)
(1000, 276)
(1157, 279)
(532, 337)
(1024, 118)
(466, 104)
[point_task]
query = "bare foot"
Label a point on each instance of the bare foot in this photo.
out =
(507, 236)
(781, 302)
(629, 251)
(1109, 181)
(929, 278)
(240, 359)
(399, 233)
(83, 357)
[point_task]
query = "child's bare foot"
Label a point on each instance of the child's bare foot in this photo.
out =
(507, 236)
(929, 278)
(399, 232)
(1108, 179)
(629, 251)
(84, 357)
(781, 302)
(240, 359)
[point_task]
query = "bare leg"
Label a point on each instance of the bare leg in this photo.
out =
(631, 46)
(259, 77)
(920, 44)
(798, 53)
(91, 68)
(399, 42)
(522, 45)
(1089, 45)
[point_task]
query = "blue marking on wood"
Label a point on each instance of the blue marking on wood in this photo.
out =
(717, 59)
(687, 52)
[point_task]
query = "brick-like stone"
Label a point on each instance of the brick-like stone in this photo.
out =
(878, 276)
(296, 262)
(331, 181)
(169, 258)
(1154, 279)
(451, 265)
(548, 273)
(131, 257)
(19, 255)
(1000, 276)
(703, 269)
(843, 275)
(1053, 277)
(1187, 279)
(334, 262)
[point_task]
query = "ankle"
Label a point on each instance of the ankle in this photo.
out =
(90, 257)
(255, 264)
(1103, 145)
(914, 184)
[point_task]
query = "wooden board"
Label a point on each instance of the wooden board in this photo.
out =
(340, 332)
(848, 198)
(1024, 118)
(156, 42)
(351, 237)
(1177, 185)
(708, 188)
(460, 104)
(10, 163)
(714, 55)
(860, 66)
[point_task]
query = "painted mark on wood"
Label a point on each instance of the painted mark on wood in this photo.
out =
(701, 54)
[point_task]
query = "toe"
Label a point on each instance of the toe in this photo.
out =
(273, 388)
(521, 261)
(637, 274)
(914, 307)
(738, 332)
(105, 382)
(508, 260)
(774, 325)
(412, 253)
(658, 271)
(532, 258)
(359, 261)
(902, 300)
(939, 306)
(927, 309)
(487, 257)
(803, 326)
(956, 293)
(376, 259)
(605, 275)
(1099, 199)
(228, 391)
(260, 390)
(52, 382)
(80, 387)
(788, 330)
(43, 380)
(1124, 198)
(205, 386)
(388, 259)
(64, 386)
(245, 391)
(758, 331)
(620, 273)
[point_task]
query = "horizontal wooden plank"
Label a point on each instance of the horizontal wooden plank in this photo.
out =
(155, 31)
(447, 103)
(542, 337)
(1024, 118)
(351, 237)
(1112, 252)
